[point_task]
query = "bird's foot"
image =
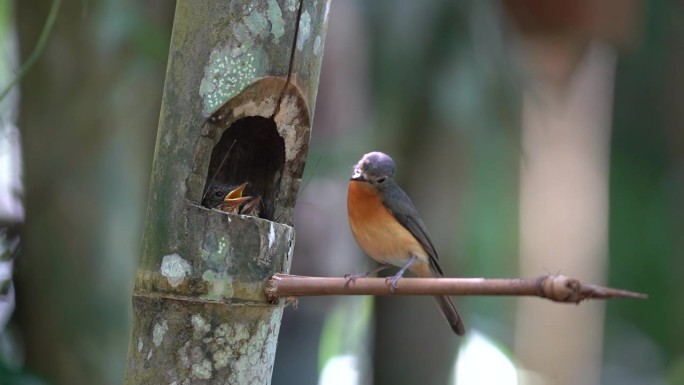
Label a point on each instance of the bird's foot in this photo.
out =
(350, 278)
(392, 281)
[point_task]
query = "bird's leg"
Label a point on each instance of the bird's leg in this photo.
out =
(353, 277)
(394, 279)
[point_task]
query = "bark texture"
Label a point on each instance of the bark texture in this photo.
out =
(200, 313)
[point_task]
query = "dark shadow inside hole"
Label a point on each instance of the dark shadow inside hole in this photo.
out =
(254, 152)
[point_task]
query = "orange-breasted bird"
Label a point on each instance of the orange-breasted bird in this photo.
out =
(386, 225)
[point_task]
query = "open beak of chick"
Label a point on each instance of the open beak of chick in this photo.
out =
(234, 199)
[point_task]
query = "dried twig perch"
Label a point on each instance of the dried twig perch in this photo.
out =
(559, 288)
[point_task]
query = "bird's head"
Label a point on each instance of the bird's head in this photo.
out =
(376, 168)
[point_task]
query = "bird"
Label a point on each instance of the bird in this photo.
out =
(229, 198)
(386, 225)
(252, 208)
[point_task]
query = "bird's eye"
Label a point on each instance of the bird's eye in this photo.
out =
(381, 180)
(218, 193)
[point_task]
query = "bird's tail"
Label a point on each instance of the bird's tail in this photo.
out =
(443, 301)
(449, 310)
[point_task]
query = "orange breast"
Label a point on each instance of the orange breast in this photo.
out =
(376, 230)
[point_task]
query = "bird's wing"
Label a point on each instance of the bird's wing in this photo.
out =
(400, 205)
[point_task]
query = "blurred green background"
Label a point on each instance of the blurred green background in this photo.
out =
(534, 137)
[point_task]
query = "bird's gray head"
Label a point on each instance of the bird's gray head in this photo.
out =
(376, 168)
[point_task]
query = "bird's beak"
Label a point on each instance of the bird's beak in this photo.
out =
(236, 193)
(357, 175)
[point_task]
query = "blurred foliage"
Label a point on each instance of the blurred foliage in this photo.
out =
(644, 338)
(443, 95)
(40, 45)
(339, 327)
(445, 108)
(446, 102)
(88, 115)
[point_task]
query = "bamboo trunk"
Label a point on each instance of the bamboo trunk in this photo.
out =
(228, 116)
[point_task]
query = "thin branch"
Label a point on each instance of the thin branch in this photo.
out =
(40, 46)
(559, 288)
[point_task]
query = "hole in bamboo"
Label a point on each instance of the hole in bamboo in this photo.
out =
(254, 152)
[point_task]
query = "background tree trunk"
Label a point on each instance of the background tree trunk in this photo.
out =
(86, 111)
